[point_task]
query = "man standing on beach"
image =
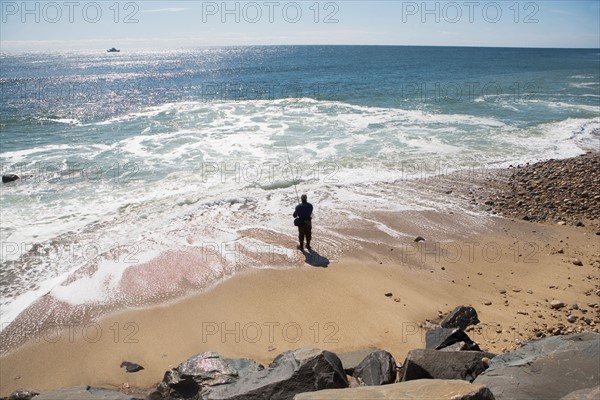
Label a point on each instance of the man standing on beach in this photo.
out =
(304, 213)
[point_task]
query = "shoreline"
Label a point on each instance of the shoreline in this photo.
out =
(345, 301)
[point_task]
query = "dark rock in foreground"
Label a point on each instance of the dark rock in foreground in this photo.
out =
(421, 389)
(201, 372)
(208, 376)
(22, 394)
(549, 368)
(461, 317)
(433, 364)
(290, 373)
(592, 393)
(440, 338)
(351, 359)
(84, 393)
(378, 368)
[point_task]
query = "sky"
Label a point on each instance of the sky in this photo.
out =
(144, 25)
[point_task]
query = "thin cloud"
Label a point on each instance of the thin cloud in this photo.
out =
(168, 10)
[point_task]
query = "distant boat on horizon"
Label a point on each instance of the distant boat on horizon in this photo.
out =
(113, 50)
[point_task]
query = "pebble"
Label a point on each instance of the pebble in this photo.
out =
(577, 262)
(487, 303)
(131, 367)
(388, 294)
(502, 291)
(572, 319)
(556, 304)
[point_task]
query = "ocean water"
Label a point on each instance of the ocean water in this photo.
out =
(128, 158)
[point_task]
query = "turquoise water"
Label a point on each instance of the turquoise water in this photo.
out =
(152, 152)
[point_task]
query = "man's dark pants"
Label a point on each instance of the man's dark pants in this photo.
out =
(305, 230)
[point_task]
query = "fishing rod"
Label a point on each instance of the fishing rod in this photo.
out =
(293, 179)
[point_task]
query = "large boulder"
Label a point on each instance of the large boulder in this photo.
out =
(440, 338)
(421, 389)
(22, 394)
(378, 368)
(200, 373)
(460, 318)
(290, 373)
(210, 369)
(433, 364)
(549, 368)
(592, 393)
(351, 359)
(84, 393)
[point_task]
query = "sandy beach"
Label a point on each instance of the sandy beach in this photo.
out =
(378, 293)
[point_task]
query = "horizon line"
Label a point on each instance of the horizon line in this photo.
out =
(306, 45)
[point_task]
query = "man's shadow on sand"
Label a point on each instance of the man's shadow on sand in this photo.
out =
(311, 257)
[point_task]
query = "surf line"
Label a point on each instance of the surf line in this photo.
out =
(290, 164)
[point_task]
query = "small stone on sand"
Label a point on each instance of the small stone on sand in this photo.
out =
(556, 304)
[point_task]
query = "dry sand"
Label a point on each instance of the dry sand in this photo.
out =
(259, 314)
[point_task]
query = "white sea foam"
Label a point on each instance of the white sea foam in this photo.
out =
(583, 76)
(195, 179)
(103, 284)
(584, 85)
(68, 121)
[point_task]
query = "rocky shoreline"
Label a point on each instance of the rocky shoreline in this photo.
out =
(566, 191)
(451, 366)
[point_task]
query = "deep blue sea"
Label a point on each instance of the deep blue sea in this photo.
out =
(125, 157)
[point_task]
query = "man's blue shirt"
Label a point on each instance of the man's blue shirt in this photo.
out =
(304, 211)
